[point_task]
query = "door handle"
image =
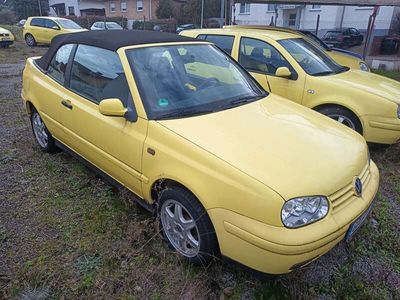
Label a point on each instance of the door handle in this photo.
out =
(67, 104)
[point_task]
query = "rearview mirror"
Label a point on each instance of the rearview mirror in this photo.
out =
(112, 107)
(283, 72)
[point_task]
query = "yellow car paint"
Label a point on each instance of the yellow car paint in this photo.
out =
(341, 58)
(6, 37)
(44, 35)
(345, 59)
(372, 98)
(241, 163)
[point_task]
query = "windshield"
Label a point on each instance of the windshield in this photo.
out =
(316, 40)
(187, 80)
(312, 59)
(113, 26)
(68, 24)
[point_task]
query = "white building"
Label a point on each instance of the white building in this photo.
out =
(305, 16)
(76, 7)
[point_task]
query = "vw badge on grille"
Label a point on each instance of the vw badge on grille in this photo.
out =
(358, 186)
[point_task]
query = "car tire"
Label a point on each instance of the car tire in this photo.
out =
(342, 115)
(42, 135)
(30, 40)
(186, 226)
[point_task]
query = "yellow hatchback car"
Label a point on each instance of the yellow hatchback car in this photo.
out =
(289, 65)
(228, 168)
(41, 30)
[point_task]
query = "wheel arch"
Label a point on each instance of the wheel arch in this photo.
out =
(163, 183)
(333, 104)
(29, 107)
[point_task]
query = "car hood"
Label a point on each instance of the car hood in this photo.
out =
(369, 82)
(291, 149)
(74, 30)
(350, 53)
(3, 30)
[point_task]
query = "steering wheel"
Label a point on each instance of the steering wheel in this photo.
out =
(212, 81)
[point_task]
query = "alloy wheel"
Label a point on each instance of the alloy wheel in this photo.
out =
(343, 120)
(180, 228)
(39, 129)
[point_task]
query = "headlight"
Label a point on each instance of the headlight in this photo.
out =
(363, 66)
(305, 210)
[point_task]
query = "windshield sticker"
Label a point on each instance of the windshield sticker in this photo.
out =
(163, 102)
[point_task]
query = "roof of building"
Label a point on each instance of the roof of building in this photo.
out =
(110, 40)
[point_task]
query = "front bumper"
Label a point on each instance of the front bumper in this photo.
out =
(278, 250)
(381, 130)
(6, 42)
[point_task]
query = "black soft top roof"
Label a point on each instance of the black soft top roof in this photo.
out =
(110, 39)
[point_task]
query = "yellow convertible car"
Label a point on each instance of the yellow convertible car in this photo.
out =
(41, 30)
(228, 168)
(289, 65)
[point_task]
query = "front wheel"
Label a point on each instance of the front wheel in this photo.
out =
(42, 135)
(343, 116)
(186, 226)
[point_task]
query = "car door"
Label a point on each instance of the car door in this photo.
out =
(113, 144)
(262, 60)
(37, 28)
(52, 91)
(51, 30)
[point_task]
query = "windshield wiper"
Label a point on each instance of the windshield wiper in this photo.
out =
(242, 100)
(184, 113)
(342, 69)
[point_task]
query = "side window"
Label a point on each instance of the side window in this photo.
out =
(259, 56)
(97, 74)
(38, 22)
(58, 64)
(50, 23)
(225, 42)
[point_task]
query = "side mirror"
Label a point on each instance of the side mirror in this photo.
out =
(283, 72)
(55, 27)
(112, 107)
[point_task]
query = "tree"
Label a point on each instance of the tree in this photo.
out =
(165, 9)
(7, 16)
(191, 11)
(26, 8)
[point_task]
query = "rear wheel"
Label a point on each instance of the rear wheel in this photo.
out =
(42, 135)
(30, 40)
(343, 116)
(186, 226)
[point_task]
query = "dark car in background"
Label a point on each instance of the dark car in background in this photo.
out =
(343, 38)
(326, 47)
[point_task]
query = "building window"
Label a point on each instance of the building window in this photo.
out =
(244, 8)
(112, 7)
(139, 5)
(123, 6)
(315, 7)
(271, 7)
(71, 10)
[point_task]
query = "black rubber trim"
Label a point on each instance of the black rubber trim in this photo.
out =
(109, 179)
